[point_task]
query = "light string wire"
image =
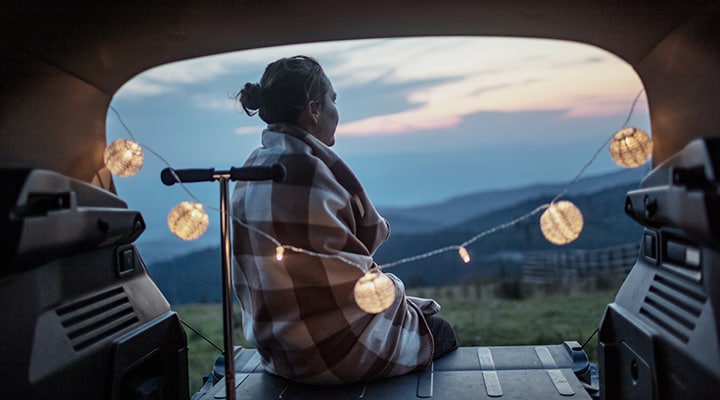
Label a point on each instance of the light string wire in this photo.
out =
(195, 198)
(466, 243)
(599, 150)
(234, 218)
(526, 216)
(205, 338)
(590, 337)
(403, 260)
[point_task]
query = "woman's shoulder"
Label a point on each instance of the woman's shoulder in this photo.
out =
(301, 163)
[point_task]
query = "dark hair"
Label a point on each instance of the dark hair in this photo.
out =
(284, 89)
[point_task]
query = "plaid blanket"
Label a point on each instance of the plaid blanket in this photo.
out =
(300, 312)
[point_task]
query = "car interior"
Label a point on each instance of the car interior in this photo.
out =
(82, 318)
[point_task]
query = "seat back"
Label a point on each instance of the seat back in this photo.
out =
(81, 317)
(659, 339)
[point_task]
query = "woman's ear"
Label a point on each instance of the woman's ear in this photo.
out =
(314, 109)
(309, 116)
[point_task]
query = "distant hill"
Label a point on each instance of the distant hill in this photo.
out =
(195, 277)
(189, 279)
(418, 219)
(498, 254)
(432, 217)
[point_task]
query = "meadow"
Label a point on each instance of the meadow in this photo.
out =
(538, 318)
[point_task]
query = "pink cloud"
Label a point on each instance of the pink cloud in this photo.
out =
(405, 122)
(248, 130)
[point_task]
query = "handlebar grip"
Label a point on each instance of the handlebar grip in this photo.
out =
(275, 172)
(186, 175)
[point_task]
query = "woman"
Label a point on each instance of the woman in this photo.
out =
(300, 312)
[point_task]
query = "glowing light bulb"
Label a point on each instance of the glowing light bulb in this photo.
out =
(188, 220)
(561, 223)
(630, 147)
(374, 292)
(464, 254)
(279, 252)
(123, 157)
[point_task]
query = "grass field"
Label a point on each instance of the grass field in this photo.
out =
(493, 322)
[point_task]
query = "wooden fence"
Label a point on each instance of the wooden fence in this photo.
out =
(546, 273)
(570, 266)
(469, 291)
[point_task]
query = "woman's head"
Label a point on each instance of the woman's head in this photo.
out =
(294, 90)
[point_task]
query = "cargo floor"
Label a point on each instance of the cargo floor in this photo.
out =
(512, 372)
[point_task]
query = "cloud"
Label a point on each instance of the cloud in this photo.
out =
(443, 80)
(406, 122)
(142, 88)
(176, 76)
(482, 90)
(173, 77)
(248, 130)
(213, 102)
(573, 63)
(502, 75)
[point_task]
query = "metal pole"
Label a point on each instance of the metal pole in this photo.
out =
(227, 290)
(169, 177)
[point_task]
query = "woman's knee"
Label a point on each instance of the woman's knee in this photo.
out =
(444, 336)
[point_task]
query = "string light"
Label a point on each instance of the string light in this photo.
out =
(188, 220)
(464, 255)
(630, 147)
(561, 223)
(374, 292)
(123, 157)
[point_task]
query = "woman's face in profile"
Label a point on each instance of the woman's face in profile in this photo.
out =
(328, 117)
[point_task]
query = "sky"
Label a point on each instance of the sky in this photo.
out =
(421, 119)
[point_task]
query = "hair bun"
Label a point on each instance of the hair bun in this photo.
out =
(251, 96)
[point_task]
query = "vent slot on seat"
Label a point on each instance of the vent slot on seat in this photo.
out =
(673, 306)
(92, 319)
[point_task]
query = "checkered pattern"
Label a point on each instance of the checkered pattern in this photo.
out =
(300, 312)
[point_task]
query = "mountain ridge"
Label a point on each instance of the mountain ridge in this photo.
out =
(498, 254)
(438, 215)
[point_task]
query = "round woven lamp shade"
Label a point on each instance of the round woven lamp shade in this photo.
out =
(123, 157)
(561, 223)
(188, 220)
(374, 292)
(630, 147)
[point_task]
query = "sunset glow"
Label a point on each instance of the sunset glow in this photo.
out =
(421, 119)
(446, 79)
